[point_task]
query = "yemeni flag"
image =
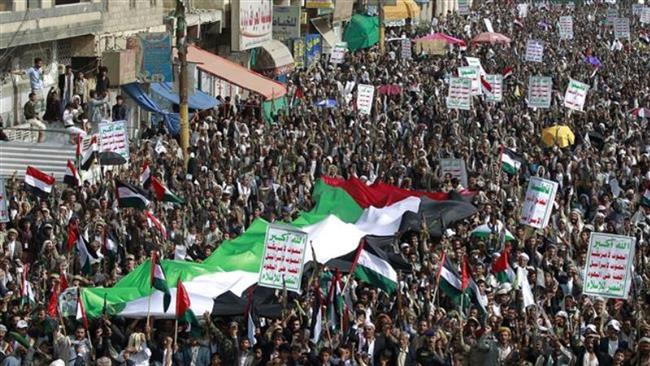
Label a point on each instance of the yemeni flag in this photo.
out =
(372, 266)
(162, 193)
(89, 154)
(87, 255)
(345, 212)
(511, 162)
(71, 177)
(145, 175)
(645, 200)
(130, 196)
(153, 222)
(81, 311)
(159, 280)
(37, 182)
(501, 267)
(486, 85)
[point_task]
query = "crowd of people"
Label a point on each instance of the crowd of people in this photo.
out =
(241, 168)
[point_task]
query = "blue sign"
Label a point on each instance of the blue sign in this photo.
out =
(312, 48)
(156, 57)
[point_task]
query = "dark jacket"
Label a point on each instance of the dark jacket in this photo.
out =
(603, 358)
(184, 357)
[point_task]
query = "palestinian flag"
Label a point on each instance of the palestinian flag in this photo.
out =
(130, 196)
(88, 155)
(484, 231)
(71, 177)
(86, 254)
(153, 222)
(110, 245)
(183, 305)
(645, 200)
(336, 305)
(37, 182)
(372, 266)
(145, 175)
(511, 162)
(345, 212)
(501, 267)
(159, 280)
(81, 312)
(316, 324)
(162, 193)
(454, 281)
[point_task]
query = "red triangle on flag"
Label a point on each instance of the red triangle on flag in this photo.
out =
(182, 300)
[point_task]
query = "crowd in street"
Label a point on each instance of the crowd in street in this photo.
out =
(242, 167)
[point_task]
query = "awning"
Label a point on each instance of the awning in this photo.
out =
(403, 9)
(198, 100)
(324, 27)
(234, 73)
(275, 56)
(135, 92)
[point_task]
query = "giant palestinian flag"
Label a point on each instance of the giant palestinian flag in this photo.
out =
(345, 212)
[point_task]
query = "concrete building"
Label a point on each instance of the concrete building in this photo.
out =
(63, 32)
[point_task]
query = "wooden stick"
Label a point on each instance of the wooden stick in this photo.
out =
(149, 309)
(175, 332)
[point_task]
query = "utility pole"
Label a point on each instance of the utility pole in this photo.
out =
(382, 28)
(181, 47)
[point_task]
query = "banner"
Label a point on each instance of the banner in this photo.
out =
(312, 48)
(455, 168)
(319, 4)
(432, 47)
(286, 22)
(343, 10)
(608, 268)
(622, 28)
(299, 53)
(539, 91)
(496, 82)
(471, 73)
(459, 94)
(463, 7)
(534, 51)
(251, 24)
(575, 96)
(406, 49)
(645, 15)
(365, 95)
(155, 57)
(4, 203)
(612, 14)
(113, 136)
(566, 27)
(338, 53)
(475, 62)
(538, 204)
(637, 9)
(284, 255)
(522, 9)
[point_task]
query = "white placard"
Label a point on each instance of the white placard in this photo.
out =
(608, 268)
(455, 168)
(459, 94)
(534, 51)
(284, 256)
(4, 203)
(472, 73)
(113, 136)
(622, 28)
(576, 94)
(338, 53)
(463, 7)
(475, 62)
(645, 15)
(538, 204)
(566, 27)
(251, 24)
(522, 9)
(406, 49)
(365, 95)
(496, 82)
(539, 91)
(488, 25)
(612, 14)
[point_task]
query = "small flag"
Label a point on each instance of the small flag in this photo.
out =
(162, 193)
(88, 156)
(53, 304)
(507, 72)
(64, 281)
(130, 196)
(486, 85)
(71, 176)
(645, 200)
(110, 244)
(26, 290)
(158, 280)
(155, 223)
(511, 162)
(317, 317)
(182, 300)
(501, 267)
(87, 255)
(38, 182)
(81, 310)
(145, 175)
(464, 275)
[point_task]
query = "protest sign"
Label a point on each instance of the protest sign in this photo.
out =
(522, 9)
(496, 82)
(645, 15)
(576, 94)
(539, 91)
(622, 28)
(566, 27)
(432, 47)
(113, 136)
(455, 168)
(365, 94)
(637, 9)
(534, 51)
(475, 62)
(4, 204)
(488, 25)
(459, 94)
(608, 268)
(338, 53)
(612, 14)
(538, 204)
(284, 254)
(463, 7)
(406, 49)
(472, 73)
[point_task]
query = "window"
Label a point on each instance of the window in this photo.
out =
(33, 4)
(6, 5)
(68, 2)
(153, 3)
(132, 4)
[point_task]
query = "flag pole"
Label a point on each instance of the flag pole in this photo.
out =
(175, 332)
